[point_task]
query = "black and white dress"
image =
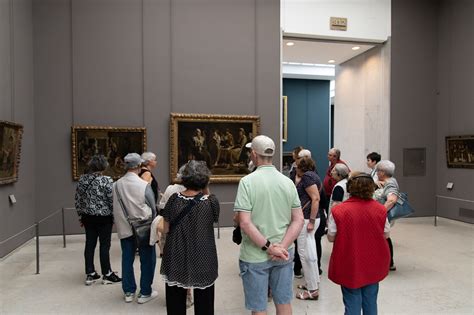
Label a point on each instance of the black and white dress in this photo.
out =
(190, 255)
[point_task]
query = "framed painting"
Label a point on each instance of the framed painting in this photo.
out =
(112, 142)
(284, 129)
(460, 151)
(219, 140)
(10, 148)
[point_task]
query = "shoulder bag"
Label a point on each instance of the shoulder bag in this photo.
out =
(401, 209)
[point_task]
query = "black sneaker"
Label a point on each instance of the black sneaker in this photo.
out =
(110, 279)
(91, 278)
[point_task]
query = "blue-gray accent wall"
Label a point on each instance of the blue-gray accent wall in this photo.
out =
(309, 118)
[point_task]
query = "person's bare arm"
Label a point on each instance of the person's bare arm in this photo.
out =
(313, 193)
(294, 229)
(331, 237)
(147, 177)
(391, 201)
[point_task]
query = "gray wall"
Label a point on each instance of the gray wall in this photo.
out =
(16, 104)
(432, 97)
(455, 103)
(132, 62)
(413, 95)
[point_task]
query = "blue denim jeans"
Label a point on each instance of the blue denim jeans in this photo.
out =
(364, 298)
(147, 266)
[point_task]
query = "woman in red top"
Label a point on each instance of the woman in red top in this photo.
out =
(360, 256)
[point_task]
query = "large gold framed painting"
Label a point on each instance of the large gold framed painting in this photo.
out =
(10, 147)
(112, 142)
(219, 140)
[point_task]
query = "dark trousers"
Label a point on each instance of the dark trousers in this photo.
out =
(390, 246)
(176, 300)
(97, 228)
(297, 266)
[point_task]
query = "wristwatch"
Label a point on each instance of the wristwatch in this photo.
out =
(266, 246)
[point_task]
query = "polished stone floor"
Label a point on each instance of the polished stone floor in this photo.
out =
(434, 276)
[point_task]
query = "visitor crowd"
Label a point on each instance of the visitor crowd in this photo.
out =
(282, 220)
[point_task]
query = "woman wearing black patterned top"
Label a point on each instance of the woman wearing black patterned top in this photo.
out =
(94, 206)
(190, 255)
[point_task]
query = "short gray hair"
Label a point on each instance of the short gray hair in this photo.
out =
(304, 153)
(386, 166)
(97, 163)
(180, 172)
(195, 175)
(341, 170)
(148, 156)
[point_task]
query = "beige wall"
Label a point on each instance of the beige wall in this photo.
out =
(361, 106)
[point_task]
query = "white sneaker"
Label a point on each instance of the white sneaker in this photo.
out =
(129, 297)
(145, 298)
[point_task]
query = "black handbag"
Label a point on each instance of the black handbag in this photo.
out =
(140, 227)
(141, 231)
(237, 235)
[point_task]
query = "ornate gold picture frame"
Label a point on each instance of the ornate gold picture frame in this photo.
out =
(219, 140)
(460, 151)
(284, 135)
(10, 149)
(112, 142)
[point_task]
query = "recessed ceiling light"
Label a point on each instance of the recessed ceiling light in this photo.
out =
(290, 44)
(355, 48)
(331, 61)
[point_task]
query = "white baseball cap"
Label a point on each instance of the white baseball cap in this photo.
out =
(262, 145)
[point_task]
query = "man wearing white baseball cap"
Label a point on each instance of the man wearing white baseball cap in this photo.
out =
(270, 216)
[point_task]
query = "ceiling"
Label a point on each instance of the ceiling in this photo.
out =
(320, 52)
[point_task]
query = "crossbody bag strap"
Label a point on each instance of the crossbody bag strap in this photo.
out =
(175, 222)
(119, 197)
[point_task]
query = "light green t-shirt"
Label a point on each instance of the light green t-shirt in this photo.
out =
(269, 196)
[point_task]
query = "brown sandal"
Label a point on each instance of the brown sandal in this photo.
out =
(308, 295)
(302, 287)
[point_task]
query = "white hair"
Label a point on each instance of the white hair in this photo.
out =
(341, 170)
(386, 166)
(148, 156)
(304, 153)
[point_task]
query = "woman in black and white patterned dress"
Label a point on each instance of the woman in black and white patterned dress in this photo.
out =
(190, 255)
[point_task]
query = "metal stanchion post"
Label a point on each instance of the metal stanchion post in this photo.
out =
(37, 249)
(64, 228)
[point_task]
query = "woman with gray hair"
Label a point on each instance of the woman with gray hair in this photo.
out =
(93, 202)
(190, 255)
(339, 173)
(146, 173)
(387, 194)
